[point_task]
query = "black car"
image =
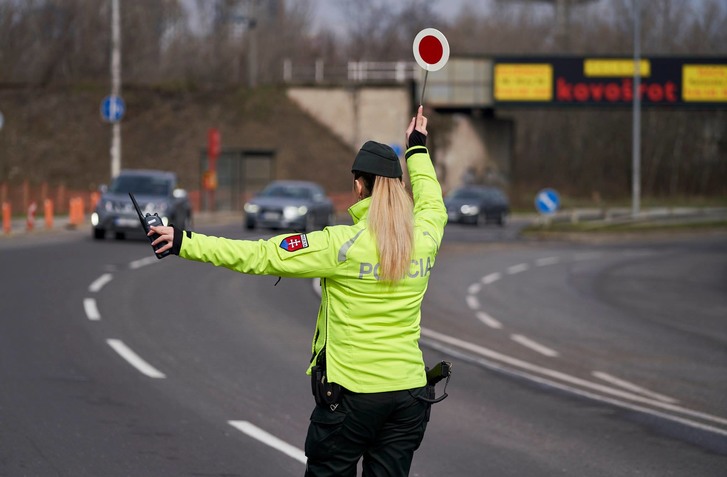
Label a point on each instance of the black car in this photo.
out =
(155, 191)
(298, 205)
(477, 205)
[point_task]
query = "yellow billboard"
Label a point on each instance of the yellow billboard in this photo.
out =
(523, 82)
(614, 68)
(704, 83)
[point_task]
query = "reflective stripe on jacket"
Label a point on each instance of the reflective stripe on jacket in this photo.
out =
(370, 328)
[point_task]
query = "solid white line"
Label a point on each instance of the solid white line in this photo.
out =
(520, 267)
(100, 282)
(134, 359)
(89, 306)
(269, 439)
(541, 262)
(491, 278)
(488, 320)
(474, 289)
(633, 387)
(579, 392)
(473, 302)
(494, 355)
(537, 347)
(142, 262)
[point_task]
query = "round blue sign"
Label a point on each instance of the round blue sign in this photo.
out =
(547, 201)
(112, 108)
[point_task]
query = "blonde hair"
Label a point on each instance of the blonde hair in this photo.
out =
(391, 220)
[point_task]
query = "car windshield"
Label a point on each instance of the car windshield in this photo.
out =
(143, 185)
(287, 191)
(466, 194)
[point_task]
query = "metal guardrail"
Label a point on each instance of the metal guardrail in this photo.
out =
(352, 72)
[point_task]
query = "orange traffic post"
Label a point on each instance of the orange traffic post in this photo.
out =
(72, 212)
(48, 213)
(7, 227)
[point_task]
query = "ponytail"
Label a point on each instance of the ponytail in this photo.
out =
(391, 219)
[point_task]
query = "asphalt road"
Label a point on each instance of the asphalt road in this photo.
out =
(569, 359)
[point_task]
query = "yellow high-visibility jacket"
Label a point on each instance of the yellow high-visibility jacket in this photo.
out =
(370, 328)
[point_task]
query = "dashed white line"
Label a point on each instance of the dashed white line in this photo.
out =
(542, 262)
(517, 363)
(134, 359)
(89, 306)
(142, 262)
(491, 278)
(269, 439)
(633, 387)
(488, 320)
(473, 302)
(520, 267)
(492, 355)
(474, 289)
(98, 284)
(535, 346)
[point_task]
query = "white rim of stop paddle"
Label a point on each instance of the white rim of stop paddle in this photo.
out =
(445, 49)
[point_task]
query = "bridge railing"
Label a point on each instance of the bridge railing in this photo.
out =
(352, 72)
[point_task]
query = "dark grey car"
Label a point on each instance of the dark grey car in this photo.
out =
(477, 205)
(298, 205)
(155, 191)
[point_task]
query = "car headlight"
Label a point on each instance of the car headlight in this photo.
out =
(470, 209)
(252, 208)
(94, 219)
(292, 212)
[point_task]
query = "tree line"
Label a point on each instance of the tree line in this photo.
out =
(201, 44)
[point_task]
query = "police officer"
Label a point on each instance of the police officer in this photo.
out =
(368, 373)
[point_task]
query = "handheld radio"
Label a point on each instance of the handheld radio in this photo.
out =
(147, 222)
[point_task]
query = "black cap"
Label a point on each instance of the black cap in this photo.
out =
(378, 159)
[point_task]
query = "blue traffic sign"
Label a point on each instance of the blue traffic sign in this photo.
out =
(547, 201)
(112, 108)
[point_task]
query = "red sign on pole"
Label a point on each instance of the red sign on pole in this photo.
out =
(213, 145)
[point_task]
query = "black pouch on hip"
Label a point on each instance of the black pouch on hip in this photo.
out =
(326, 394)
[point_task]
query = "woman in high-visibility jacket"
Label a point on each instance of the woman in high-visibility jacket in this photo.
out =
(368, 371)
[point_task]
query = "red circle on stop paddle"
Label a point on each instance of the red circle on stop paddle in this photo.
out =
(430, 49)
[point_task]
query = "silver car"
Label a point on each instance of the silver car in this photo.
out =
(298, 205)
(155, 191)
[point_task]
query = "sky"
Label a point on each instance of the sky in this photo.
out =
(327, 12)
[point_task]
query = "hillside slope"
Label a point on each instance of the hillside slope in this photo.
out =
(57, 135)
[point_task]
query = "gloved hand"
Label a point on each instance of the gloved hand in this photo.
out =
(416, 133)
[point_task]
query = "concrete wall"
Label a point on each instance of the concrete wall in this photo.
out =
(479, 147)
(357, 114)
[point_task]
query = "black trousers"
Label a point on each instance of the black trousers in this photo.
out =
(383, 428)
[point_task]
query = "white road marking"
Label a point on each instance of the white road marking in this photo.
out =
(474, 289)
(142, 262)
(535, 346)
(520, 267)
(473, 302)
(517, 363)
(98, 284)
(542, 262)
(488, 320)
(133, 359)
(269, 439)
(633, 387)
(491, 278)
(89, 306)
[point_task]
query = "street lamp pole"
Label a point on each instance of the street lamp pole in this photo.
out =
(115, 86)
(636, 133)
